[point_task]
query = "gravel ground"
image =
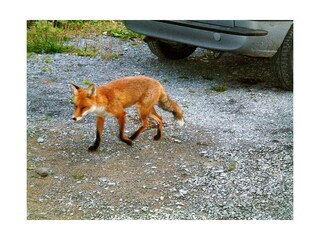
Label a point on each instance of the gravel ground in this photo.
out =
(233, 159)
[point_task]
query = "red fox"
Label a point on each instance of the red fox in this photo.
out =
(114, 97)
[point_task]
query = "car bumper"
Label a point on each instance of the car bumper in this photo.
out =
(252, 38)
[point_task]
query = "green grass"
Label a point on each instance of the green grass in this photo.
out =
(46, 69)
(31, 55)
(42, 37)
(219, 88)
(48, 60)
(232, 166)
(50, 36)
(123, 33)
(79, 176)
(87, 51)
(110, 55)
(87, 82)
(47, 118)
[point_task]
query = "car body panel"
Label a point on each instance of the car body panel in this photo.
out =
(247, 37)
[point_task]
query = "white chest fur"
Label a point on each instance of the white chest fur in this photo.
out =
(100, 111)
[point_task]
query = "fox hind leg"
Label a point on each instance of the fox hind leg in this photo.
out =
(144, 115)
(155, 116)
(141, 129)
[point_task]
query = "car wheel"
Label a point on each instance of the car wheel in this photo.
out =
(283, 62)
(169, 50)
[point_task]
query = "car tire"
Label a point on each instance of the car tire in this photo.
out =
(169, 50)
(282, 62)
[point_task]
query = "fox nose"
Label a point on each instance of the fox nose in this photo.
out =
(74, 119)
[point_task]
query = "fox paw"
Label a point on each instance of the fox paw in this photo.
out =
(127, 141)
(92, 148)
(130, 143)
(157, 137)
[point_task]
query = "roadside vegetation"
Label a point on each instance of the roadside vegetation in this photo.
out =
(44, 36)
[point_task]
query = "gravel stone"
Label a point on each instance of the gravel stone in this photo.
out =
(43, 171)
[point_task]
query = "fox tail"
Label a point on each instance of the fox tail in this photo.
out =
(167, 104)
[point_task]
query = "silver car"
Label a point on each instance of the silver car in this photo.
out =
(179, 39)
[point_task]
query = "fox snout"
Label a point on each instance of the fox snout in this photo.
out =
(76, 119)
(78, 115)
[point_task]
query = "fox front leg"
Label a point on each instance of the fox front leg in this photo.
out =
(100, 123)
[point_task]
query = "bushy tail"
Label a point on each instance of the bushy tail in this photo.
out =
(166, 103)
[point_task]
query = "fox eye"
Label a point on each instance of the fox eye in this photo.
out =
(83, 108)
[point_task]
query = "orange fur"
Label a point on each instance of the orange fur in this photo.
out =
(114, 97)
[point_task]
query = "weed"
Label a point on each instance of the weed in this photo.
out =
(136, 43)
(86, 28)
(123, 33)
(109, 56)
(232, 166)
(87, 82)
(68, 69)
(78, 176)
(46, 69)
(135, 46)
(87, 51)
(50, 36)
(47, 119)
(44, 38)
(219, 88)
(208, 55)
(31, 55)
(48, 60)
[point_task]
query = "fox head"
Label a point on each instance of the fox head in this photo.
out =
(84, 101)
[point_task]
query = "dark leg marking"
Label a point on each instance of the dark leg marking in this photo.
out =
(96, 143)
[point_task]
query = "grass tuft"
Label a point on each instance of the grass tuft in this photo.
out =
(50, 36)
(79, 176)
(87, 82)
(219, 88)
(42, 37)
(232, 166)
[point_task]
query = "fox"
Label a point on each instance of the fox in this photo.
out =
(114, 97)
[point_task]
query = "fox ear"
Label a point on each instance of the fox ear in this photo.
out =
(91, 91)
(74, 88)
